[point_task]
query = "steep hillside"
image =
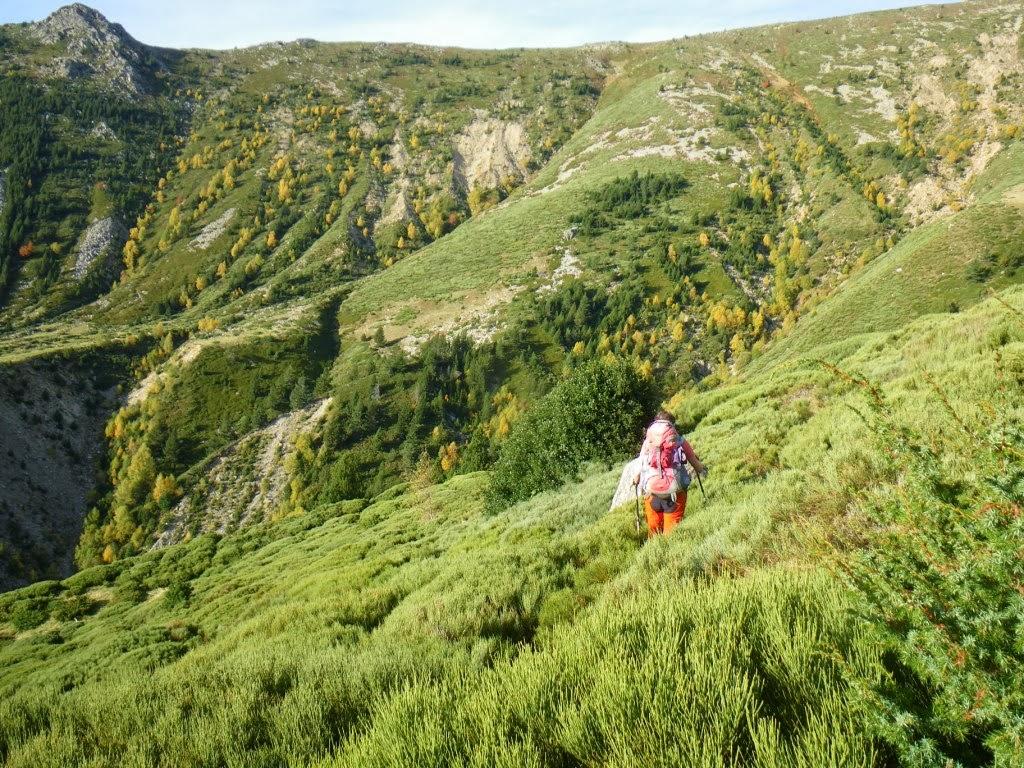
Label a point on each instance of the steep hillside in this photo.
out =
(339, 267)
(271, 320)
(425, 628)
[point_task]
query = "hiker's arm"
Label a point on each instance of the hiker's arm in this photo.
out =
(691, 457)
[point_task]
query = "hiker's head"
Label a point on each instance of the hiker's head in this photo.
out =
(664, 416)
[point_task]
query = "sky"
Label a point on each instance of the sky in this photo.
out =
(479, 24)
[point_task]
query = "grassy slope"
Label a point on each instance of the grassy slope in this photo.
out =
(417, 609)
(414, 610)
(926, 272)
(496, 251)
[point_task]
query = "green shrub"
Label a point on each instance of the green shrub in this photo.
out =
(131, 589)
(89, 578)
(597, 413)
(71, 608)
(28, 614)
(178, 593)
(943, 579)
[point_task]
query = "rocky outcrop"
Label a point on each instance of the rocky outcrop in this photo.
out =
(3, 191)
(212, 231)
(488, 152)
(625, 492)
(99, 246)
(398, 208)
(248, 482)
(93, 47)
(51, 438)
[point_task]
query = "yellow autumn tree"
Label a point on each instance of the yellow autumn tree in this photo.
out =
(131, 254)
(449, 456)
(737, 346)
(253, 265)
(165, 490)
(757, 323)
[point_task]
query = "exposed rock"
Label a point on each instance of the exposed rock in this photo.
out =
(929, 94)
(3, 191)
(103, 131)
(624, 491)
(94, 46)
(926, 201)
(399, 158)
(247, 483)
(99, 245)
(51, 436)
(398, 208)
(568, 267)
(212, 231)
(885, 104)
(489, 151)
(999, 57)
(693, 144)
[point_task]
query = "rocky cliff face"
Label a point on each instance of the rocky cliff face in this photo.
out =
(51, 436)
(95, 48)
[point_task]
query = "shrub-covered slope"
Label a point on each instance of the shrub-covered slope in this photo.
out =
(320, 223)
(427, 628)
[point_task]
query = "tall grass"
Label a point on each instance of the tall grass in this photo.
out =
(426, 628)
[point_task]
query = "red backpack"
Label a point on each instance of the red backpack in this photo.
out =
(666, 474)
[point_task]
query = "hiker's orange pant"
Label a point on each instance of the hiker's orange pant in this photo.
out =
(664, 522)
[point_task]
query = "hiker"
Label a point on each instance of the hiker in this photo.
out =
(661, 474)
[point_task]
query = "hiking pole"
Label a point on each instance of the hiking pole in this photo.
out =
(701, 484)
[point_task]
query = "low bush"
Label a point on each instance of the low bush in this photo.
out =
(598, 413)
(948, 598)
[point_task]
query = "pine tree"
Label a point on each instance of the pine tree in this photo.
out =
(297, 397)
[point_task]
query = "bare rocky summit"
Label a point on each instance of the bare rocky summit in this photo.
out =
(94, 47)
